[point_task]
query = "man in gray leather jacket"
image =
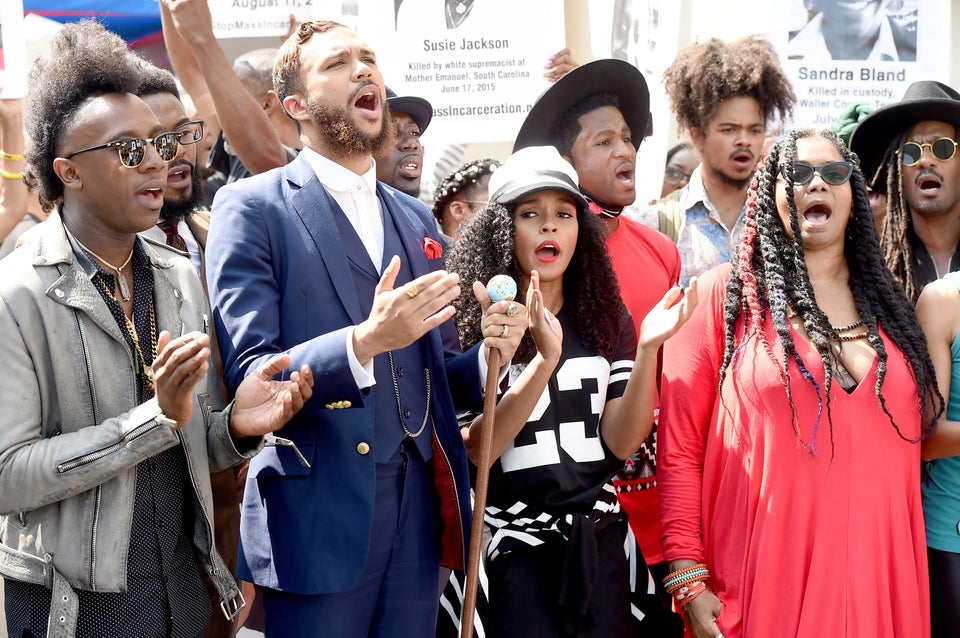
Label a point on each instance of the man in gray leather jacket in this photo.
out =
(111, 417)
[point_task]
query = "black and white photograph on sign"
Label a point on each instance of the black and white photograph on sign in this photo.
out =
(644, 33)
(452, 13)
(869, 30)
(879, 49)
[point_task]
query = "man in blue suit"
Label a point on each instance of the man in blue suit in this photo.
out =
(345, 524)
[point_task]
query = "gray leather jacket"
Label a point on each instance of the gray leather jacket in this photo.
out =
(71, 434)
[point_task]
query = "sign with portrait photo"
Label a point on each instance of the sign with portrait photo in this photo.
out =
(843, 52)
(480, 71)
(646, 34)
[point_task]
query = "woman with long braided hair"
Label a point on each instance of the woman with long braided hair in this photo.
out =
(793, 405)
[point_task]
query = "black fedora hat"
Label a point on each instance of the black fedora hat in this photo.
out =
(601, 76)
(416, 107)
(922, 101)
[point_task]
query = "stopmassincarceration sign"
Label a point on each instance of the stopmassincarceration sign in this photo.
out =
(829, 73)
(481, 72)
(260, 18)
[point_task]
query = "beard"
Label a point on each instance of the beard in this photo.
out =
(343, 136)
(180, 209)
(729, 180)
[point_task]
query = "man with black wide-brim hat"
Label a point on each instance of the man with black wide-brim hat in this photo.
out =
(909, 151)
(596, 116)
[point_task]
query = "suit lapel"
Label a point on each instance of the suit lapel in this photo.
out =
(315, 207)
(411, 231)
(408, 227)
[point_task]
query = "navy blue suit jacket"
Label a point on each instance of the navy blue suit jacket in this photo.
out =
(280, 282)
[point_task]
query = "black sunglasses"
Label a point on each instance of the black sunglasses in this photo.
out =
(943, 149)
(133, 150)
(833, 173)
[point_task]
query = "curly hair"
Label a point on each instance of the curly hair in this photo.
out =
(85, 61)
(770, 281)
(707, 73)
(590, 288)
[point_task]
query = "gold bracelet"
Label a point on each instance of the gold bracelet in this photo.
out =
(10, 156)
(8, 175)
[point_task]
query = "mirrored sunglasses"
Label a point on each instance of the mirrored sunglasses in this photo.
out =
(833, 173)
(943, 149)
(133, 150)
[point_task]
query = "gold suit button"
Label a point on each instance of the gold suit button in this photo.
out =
(363, 447)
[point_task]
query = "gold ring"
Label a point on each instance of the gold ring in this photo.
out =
(411, 290)
(505, 331)
(512, 310)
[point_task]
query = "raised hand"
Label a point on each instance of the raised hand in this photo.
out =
(544, 326)
(400, 317)
(192, 19)
(559, 64)
(503, 323)
(180, 363)
(263, 404)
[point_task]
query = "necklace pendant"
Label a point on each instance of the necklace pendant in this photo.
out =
(461, 7)
(124, 288)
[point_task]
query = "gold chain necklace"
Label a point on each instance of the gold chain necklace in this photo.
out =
(139, 363)
(124, 288)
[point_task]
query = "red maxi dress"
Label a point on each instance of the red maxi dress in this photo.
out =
(799, 541)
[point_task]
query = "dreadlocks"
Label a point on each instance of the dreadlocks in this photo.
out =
(769, 282)
(590, 288)
(895, 240)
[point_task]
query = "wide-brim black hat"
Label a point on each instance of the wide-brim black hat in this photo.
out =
(601, 76)
(922, 101)
(417, 108)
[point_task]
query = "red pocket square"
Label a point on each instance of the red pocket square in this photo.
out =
(432, 248)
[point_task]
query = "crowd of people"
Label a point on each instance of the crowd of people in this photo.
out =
(246, 362)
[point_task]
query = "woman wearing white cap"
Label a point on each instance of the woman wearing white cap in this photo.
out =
(578, 400)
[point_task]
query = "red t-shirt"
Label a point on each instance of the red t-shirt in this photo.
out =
(647, 265)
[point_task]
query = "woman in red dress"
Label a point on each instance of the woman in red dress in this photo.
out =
(793, 404)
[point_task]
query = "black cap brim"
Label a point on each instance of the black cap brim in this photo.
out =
(416, 107)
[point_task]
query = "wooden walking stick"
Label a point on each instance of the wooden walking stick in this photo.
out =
(500, 288)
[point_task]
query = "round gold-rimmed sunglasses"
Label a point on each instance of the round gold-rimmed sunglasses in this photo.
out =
(943, 149)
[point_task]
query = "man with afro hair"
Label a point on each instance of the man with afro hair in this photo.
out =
(724, 94)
